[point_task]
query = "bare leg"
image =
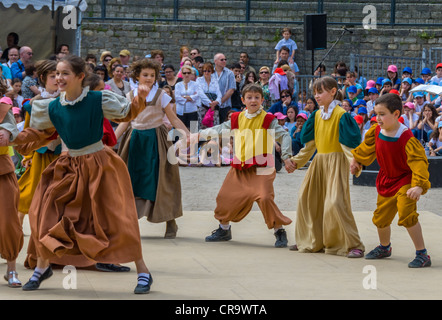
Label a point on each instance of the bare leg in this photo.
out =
(415, 233)
(384, 235)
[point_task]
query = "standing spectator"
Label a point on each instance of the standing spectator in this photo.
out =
(125, 58)
(158, 55)
(29, 87)
(264, 76)
(91, 58)
(184, 53)
(187, 96)
(117, 83)
(237, 104)
(209, 85)
(63, 48)
(170, 77)
(284, 56)
(244, 57)
(18, 68)
(13, 56)
(227, 85)
(106, 58)
(12, 42)
(195, 52)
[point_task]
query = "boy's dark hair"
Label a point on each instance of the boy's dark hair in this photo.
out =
(252, 87)
(199, 59)
(235, 65)
(285, 48)
(93, 81)
(391, 101)
(29, 70)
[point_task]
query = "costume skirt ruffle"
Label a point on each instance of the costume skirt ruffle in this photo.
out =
(83, 206)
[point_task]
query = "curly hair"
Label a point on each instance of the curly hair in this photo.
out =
(139, 65)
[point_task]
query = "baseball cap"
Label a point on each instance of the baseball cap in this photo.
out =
(359, 119)
(408, 80)
(6, 100)
(124, 53)
(392, 68)
(385, 81)
(15, 110)
(426, 71)
(303, 115)
(419, 80)
(394, 91)
(370, 84)
(279, 116)
(362, 110)
(379, 80)
(439, 65)
(418, 94)
(373, 90)
(360, 102)
(407, 69)
(352, 89)
(410, 105)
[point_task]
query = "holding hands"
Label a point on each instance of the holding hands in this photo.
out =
(355, 167)
(290, 166)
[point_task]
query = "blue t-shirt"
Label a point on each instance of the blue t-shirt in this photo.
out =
(290, 44)
(6, 72)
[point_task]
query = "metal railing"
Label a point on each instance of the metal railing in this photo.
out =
(317, 6)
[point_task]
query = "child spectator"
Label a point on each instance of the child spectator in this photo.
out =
(292, 112)
(295, 132)
(281, 118)
(379, 83)
(287, 42)
(29, 86)
(347, 105)
(402, 179)
(373, 94)
(393, 76)
(236, 96)
(16, 88)
(407, 72)
(386, 86)
(426, 75)
(359, 104)
(420, 101)
(410, 117)
(352, 93)
(310, 106)
(350, 81)
(437, 79)
(404, 92)
(427, 123)
(252, 172)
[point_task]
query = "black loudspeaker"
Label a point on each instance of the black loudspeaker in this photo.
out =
(315, 31)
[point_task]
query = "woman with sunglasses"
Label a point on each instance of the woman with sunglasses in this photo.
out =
(209, 85)
(188, 95)
(284, 102)
(264, 76)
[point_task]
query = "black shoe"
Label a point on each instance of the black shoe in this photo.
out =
(220, 235)
(110, 267)
(144, 288)
(281, 239)
(35, 284)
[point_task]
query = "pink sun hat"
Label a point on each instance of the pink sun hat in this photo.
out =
(370, 84)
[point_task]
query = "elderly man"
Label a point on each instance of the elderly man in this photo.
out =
(18, 68)
(12, 56)
(227, 85)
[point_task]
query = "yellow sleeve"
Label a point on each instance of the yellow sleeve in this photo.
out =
(418, 163)
(305, 154)
(365, 153)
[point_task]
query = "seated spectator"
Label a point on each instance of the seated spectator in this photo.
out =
(310, 106)
(426, 124)
(295, 132)
(435, 143)
(410, 117)
(404, 92)
(290, 122)
(284, 102)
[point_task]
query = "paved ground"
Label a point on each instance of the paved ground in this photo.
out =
(249, 267)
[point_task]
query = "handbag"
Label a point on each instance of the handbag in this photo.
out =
(208, 118)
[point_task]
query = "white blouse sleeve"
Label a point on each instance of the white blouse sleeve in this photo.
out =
(40, 114)
(115, 106)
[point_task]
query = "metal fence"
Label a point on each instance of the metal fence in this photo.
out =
(391, 19)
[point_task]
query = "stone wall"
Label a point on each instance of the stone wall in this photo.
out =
(258, 39)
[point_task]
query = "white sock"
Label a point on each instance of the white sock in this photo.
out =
(224, 226)
(38, 272)
(143, 278)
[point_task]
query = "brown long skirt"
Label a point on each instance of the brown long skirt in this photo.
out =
(11, 234)
(83, 206)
